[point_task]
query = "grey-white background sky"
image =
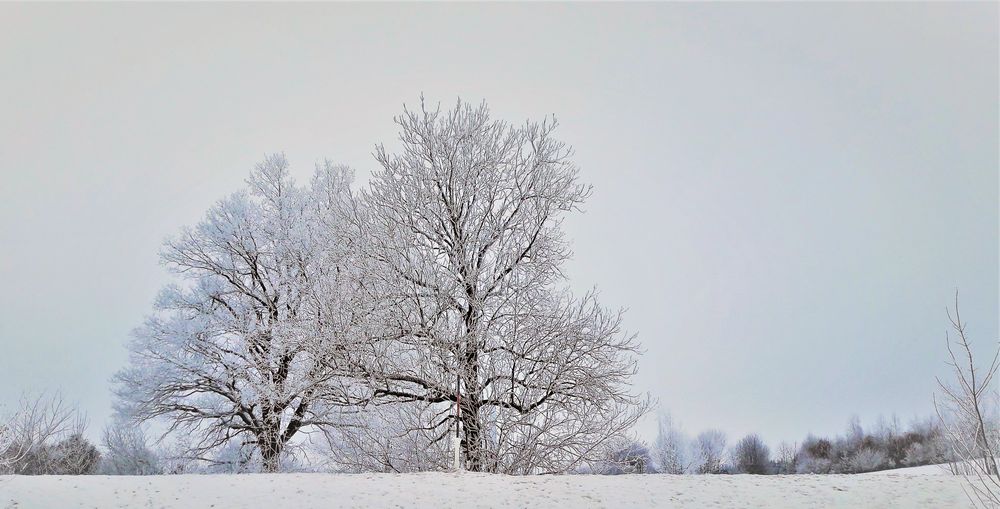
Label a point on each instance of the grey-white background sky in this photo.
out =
(786, 195)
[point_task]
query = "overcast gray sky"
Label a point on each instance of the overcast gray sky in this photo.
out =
(786, 195)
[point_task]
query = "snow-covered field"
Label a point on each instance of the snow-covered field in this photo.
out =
(924, 470)
(443, 490)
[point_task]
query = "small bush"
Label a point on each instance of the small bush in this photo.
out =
(867, 460)
(74, 455)
(127, 451)
(819, 449)
(807, 464)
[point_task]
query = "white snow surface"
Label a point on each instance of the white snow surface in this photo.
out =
(467, 490)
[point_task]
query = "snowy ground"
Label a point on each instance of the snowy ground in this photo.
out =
(924, 470)
(442, 490)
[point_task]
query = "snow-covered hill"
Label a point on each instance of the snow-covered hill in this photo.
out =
(443, 490)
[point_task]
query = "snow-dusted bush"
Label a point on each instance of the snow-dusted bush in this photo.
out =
(73, 456)
(807, 464)
(867, 460)
(918, 454)
(44, 435)
(935, 450)
(625, 457)
(127, 451)
(814, 456)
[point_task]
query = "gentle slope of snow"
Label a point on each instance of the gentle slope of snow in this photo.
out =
(466, 490)
(943, 469)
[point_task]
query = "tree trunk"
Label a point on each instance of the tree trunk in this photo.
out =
(270, 453)
(270, 442)
(472, 401)
(472, 445)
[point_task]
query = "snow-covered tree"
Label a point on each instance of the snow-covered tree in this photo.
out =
(786, 457)
(671, 448)
(466, 249)
(711, 447)
(245, 349)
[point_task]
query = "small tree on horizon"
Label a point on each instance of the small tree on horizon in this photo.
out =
(751, 455)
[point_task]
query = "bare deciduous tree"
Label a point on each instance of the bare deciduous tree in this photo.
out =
(751, 455)
(711, 447)
(786, 457)
(671, 448)
(465, 244)
(963, 410)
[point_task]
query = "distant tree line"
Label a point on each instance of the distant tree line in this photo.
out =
(887, 446)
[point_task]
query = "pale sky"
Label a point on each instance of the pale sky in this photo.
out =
(786, 196)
